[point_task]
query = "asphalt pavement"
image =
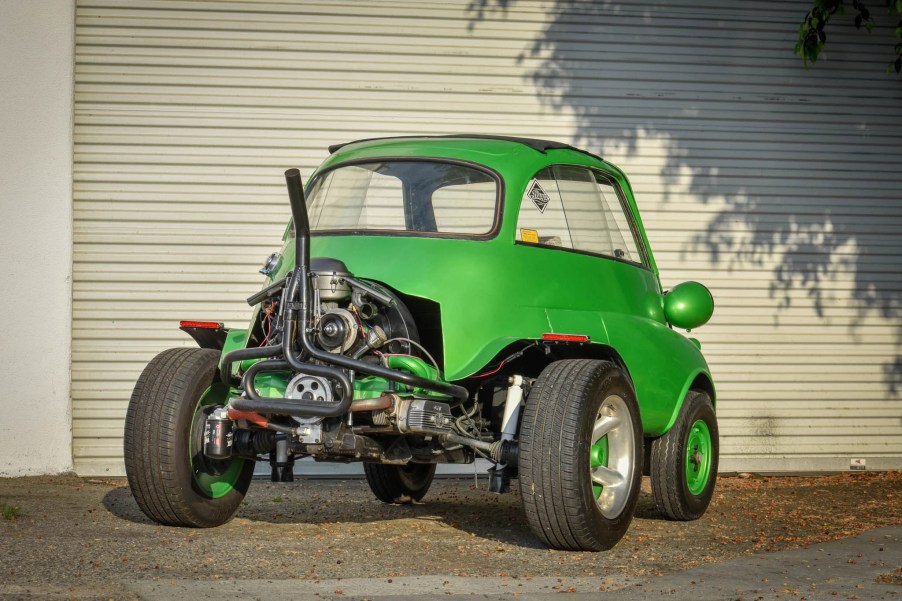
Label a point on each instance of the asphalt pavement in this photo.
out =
(802, 538)
(844, 569)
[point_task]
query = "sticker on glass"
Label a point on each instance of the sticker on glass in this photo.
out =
(538, 196)
(531, 236)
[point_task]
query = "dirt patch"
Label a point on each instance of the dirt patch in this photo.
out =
(894, 577)
(72, 531)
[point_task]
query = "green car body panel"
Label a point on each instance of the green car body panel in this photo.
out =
(494, 291)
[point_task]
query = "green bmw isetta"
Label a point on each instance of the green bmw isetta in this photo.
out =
(435, 300)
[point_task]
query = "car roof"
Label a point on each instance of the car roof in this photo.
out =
(514, 159)
(534, 143)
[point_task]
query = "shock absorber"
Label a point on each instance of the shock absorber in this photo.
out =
(500, 478)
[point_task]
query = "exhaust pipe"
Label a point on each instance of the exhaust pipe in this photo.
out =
(300, 218)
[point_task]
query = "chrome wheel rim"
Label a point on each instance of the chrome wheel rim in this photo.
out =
(612, 456)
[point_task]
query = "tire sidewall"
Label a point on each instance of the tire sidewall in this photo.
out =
(397, 484)
(416, 479)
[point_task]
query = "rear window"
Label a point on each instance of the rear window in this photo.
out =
(405, 196)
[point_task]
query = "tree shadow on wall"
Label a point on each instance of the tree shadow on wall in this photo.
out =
(751, 133)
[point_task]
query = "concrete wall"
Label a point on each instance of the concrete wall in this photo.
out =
(36, 71)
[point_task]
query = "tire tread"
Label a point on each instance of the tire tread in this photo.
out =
(550, 482)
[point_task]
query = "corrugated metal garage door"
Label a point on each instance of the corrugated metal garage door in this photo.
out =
(778, 187)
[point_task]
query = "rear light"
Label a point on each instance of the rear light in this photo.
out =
(565, 337)
(207, 325)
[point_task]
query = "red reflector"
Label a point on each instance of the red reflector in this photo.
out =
(566, 337)
(207, 325)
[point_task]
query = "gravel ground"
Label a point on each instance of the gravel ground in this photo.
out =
(83, 537)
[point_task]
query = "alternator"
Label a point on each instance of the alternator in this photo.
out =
(337, 331)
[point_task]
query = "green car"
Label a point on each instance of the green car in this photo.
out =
(439, 299)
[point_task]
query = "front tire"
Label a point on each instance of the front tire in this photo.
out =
(684, 461)
(169, 476)
(399, 484)
(580, 455)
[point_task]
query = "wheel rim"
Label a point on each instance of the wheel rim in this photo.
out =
(213, 479)
(612, 456)
(698, 457)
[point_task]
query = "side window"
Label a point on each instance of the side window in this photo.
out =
(542, 219)
(618, 209)
(586, 214)
(464, 208)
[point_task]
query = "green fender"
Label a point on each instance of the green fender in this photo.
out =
(691, 384)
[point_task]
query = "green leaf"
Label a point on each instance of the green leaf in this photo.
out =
(869, 26)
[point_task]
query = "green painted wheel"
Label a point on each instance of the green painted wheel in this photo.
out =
(698, 457)
(684, 460)
(173, 482)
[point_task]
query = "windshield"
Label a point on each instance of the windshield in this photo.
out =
(406, 196)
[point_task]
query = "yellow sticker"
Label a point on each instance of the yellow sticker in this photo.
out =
(531, 236)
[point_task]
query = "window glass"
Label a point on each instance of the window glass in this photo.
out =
(582, 211)
(360, 196)
(618, 210)
(542, 219)
(414, 196)
(462, 207)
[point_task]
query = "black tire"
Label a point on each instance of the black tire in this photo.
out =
(170, 478)
(399, 484)
(681, 493)
(564, 506)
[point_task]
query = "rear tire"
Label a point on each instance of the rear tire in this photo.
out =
(580, 455)
(399, 484)
(169, 476)
(684, 461)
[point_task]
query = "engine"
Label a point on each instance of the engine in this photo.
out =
(351, 318)
(361, 322)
